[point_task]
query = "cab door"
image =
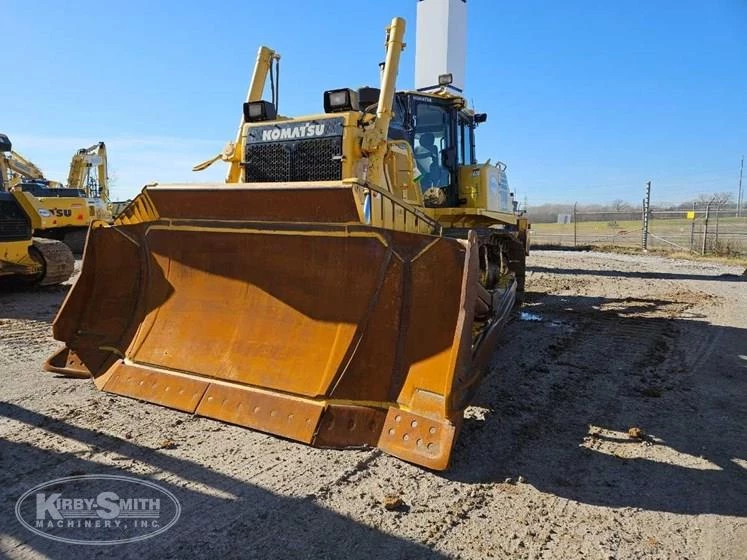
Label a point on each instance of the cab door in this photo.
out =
(434, 143)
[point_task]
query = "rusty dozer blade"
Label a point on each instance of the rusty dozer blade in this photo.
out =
(275, 308)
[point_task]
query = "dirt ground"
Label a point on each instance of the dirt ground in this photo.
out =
(544, 467)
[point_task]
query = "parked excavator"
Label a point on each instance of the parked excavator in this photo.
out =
(25, 259)
(82, 175)
(71, 208)
(345, 287)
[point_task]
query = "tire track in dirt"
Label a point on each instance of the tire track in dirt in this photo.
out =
(609, 350)
(566, 372)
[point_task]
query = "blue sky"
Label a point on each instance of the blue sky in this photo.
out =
(586, 100)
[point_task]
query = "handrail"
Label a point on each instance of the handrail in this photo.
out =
(401, 216)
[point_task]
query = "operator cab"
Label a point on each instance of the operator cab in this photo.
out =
(5, 143)
(442, 137)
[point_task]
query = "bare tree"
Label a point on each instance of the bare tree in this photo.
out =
(620, 205)
(723, 197)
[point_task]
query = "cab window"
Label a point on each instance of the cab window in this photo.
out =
(432, 135)
(397, 127)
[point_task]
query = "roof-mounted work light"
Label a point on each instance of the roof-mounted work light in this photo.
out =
(256, 111)
(337, 100)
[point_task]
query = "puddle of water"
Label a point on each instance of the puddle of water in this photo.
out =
(526, 316)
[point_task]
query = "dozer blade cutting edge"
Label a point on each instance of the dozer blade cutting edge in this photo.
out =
(275, 308)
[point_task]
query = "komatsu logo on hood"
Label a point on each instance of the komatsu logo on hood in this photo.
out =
(291, 133)
(295, 130)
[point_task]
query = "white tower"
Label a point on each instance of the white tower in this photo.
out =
(440, 43)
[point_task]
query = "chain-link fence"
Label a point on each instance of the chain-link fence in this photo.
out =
(704, 231)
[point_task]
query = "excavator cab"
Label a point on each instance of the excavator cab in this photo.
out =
(5, 143)
(41, 189)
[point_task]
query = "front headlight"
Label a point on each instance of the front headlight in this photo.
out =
(256, 111)
(337, 100)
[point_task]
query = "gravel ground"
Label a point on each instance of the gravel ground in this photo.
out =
(545, 467)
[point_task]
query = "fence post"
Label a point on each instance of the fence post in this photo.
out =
(705, 228)
(574, 223)
(739, 196)
(692, 230)
(646, 211)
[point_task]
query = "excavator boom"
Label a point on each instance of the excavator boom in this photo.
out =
(89, 173)
(15, 169)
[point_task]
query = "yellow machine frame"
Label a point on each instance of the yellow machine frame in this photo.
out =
(334, 312)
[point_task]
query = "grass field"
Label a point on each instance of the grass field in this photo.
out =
(730, 237)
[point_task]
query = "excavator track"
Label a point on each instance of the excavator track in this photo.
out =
(56, 259)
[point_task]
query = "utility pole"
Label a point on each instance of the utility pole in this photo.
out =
(739, 196)
(646, 213)
(574, 223)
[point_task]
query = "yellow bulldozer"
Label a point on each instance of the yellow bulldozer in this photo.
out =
(71, 209)
(344, 288)
(23, 258)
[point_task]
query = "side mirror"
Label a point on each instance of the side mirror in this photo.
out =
(449, 158)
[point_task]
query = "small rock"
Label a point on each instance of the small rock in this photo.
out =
(167, 444)
(128, 435)
(521, 480)
(508, 480)
(635, 433)
(392, 502)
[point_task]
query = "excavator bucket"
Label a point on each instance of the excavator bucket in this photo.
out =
(275, 308)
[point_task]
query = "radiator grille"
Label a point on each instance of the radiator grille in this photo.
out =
(317, 159)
